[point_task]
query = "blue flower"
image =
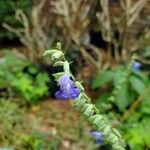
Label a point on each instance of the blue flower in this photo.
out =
(98, 137)
(67, 88)
(136, 66)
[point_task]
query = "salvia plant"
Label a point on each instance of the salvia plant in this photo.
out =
(70, 88)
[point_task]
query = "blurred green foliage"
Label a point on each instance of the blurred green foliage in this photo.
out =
(133, 121)
(7, 15)
(23, 77)
(12, 123)
(19, 131)
(41, 141)
(16, 133)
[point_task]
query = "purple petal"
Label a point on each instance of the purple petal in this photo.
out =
(66, 82)
(98, 137)
(64, 79)
(70, 94)
(61, 96)
(136, 66)
(74, 93)
(67, 88)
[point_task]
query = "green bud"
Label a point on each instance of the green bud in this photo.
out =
(58, 46)
(107, 130)
(66, 67)
(58, 75)
(56, 55)
(58, 63)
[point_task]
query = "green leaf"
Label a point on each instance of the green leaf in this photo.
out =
(88, 110)
(145, 106)
(79, 101)
(42, 79)
(58, 75)
(56, 55)
(103, 78)
(118, 75)
(66, 67)
(124, 97)
(33, 70)
(58, 63)
(137, 84)
(102, 103)
(143, 77)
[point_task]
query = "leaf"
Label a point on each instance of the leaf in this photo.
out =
(124, 97)
(79, 101)
(33, 70)
(58, 63)
(102, 78)
(118, 75)
(66, 67)
(136, 146)
(56, 55)
(58, 75)
(137, 84)
(145, 124)
(88, 110)
(42, 79)
(101, 102)
(145, 106)
(103, 97)
(143, 77)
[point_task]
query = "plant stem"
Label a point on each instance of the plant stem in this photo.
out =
(95, 118)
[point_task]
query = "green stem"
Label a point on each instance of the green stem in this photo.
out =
(93, 116)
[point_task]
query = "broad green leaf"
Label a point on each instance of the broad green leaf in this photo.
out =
(145, 106)
(103, 78)
(118, 75)
(124, 97)
(101, 102)
(136, 146)
(137, 84)
(145, 124)
(143, 77)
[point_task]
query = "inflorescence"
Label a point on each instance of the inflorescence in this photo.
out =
(72, 89)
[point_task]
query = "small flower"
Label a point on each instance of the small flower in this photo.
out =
(98, 137)
(136, 66)
(67, 88)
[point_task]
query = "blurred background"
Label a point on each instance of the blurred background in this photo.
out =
(99, 38)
